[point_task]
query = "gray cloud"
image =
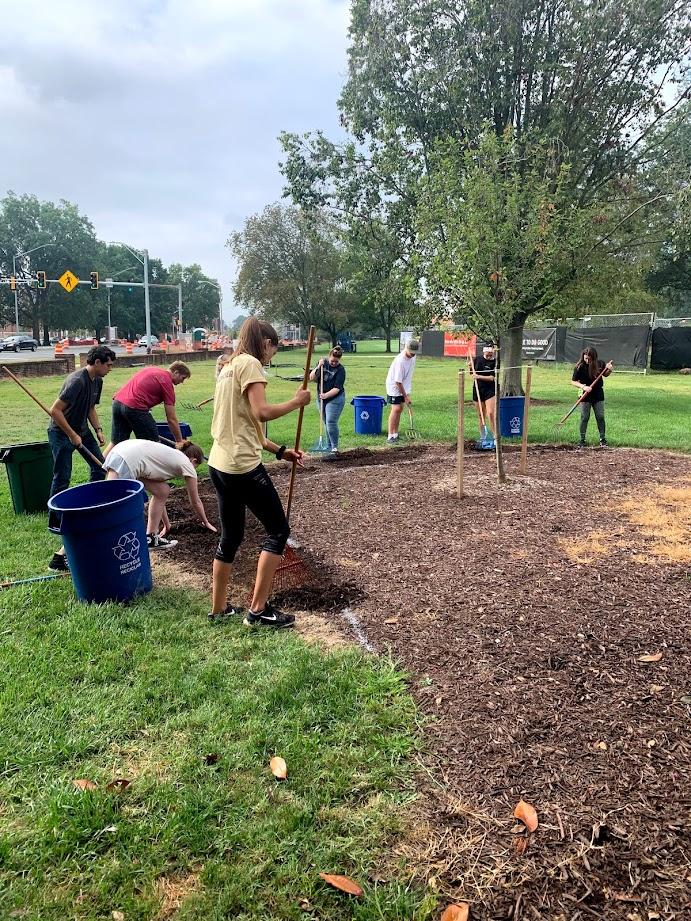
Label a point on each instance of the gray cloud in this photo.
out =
(160, 119)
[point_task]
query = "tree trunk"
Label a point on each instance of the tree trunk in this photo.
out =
(511, 358)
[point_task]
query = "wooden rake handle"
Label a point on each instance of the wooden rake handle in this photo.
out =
(84, 451)
(301, 412)
(581, 398)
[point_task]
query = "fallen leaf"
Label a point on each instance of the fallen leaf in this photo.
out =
(278, 768)
(391, 620)
(211, 759)
(85, 784)
(655, 657)
(118, 915)
(344, 883)
(459, 912)
(527, 814)
(118, 785)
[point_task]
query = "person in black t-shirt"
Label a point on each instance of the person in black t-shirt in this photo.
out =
(332, 400)
(584, 375)
(484, 392)
(71, 414)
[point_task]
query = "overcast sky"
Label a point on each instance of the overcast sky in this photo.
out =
(159, 118)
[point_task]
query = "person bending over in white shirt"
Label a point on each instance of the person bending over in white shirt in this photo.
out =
(153, 464)
(399, 384)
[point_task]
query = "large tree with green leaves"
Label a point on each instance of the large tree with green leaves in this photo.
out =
(596, 81)
(293, 268)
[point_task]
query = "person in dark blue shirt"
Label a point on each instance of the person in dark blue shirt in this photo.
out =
(330, 376)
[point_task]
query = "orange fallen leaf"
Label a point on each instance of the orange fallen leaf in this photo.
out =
(344, 883)
(527, 814)
(278, 768)
(460, 912)
(655, 657)
(83, 784)
(118, 785)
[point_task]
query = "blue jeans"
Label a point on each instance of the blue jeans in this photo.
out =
(331, 411)
(63, 449)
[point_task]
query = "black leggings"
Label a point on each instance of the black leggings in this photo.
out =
(254, 490)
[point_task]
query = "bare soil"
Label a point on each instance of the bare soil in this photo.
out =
(520, 614)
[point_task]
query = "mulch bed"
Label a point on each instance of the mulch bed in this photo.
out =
(520, 615)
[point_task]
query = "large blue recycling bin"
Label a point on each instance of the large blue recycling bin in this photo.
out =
(511, 416)
(368, 414)
(102, 527)
(165, 432)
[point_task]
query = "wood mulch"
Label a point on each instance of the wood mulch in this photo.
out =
(521, 615)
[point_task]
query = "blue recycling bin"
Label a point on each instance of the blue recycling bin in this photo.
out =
(368, 414)
(165, 432)
(511, 411)
(102, 527)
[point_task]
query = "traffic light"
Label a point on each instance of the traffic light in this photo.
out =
(94, 281)
(41, 279)
(13, 283)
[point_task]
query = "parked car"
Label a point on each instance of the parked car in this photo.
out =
(147, 341)
(15, 343)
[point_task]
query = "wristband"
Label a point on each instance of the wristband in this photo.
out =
(281, 451)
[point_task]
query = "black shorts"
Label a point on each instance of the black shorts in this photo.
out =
(395, 401)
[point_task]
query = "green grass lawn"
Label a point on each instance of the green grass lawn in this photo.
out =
(146, 692)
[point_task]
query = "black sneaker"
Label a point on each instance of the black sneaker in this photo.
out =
(269, 617)
(230, 611)
(59, 563)
(156, 542)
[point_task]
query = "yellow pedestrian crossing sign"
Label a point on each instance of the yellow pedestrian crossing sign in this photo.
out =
(68, 280)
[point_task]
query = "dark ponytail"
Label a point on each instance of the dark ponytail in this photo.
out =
(253, 332)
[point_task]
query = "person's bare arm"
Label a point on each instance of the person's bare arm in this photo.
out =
(57, 411)
(266, 412)
(173, 424)
(196, 502)
(96, 426)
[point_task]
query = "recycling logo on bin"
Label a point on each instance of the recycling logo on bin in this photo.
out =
(515, 425)
(127, 551)
(364, 414)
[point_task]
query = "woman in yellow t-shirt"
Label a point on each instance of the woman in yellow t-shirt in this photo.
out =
(238, 475)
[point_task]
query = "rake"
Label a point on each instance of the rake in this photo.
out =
(411, 432)
(322, 446)
(292, 571)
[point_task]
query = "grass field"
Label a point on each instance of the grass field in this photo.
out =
(147, 692)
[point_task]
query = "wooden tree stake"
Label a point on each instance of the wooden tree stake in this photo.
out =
(526, 417)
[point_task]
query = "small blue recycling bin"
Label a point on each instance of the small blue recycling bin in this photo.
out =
(102, 527)
(511, 416)
(165, 432)
(368, 413)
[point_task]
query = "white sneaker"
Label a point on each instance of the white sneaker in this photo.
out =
(154, 542)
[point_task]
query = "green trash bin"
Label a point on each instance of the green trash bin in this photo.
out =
(30, 472)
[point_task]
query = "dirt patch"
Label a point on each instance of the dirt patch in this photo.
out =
(521, 615)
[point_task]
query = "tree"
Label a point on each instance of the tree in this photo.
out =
(293, 268)
(596, 81)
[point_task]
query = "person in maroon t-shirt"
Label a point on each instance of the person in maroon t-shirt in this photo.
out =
(132, 404)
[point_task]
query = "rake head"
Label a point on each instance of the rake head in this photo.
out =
(292, 572)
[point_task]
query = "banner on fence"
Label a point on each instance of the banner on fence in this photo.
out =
(671, 349)
(459, 345)
(624, 345)
(540, 344)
